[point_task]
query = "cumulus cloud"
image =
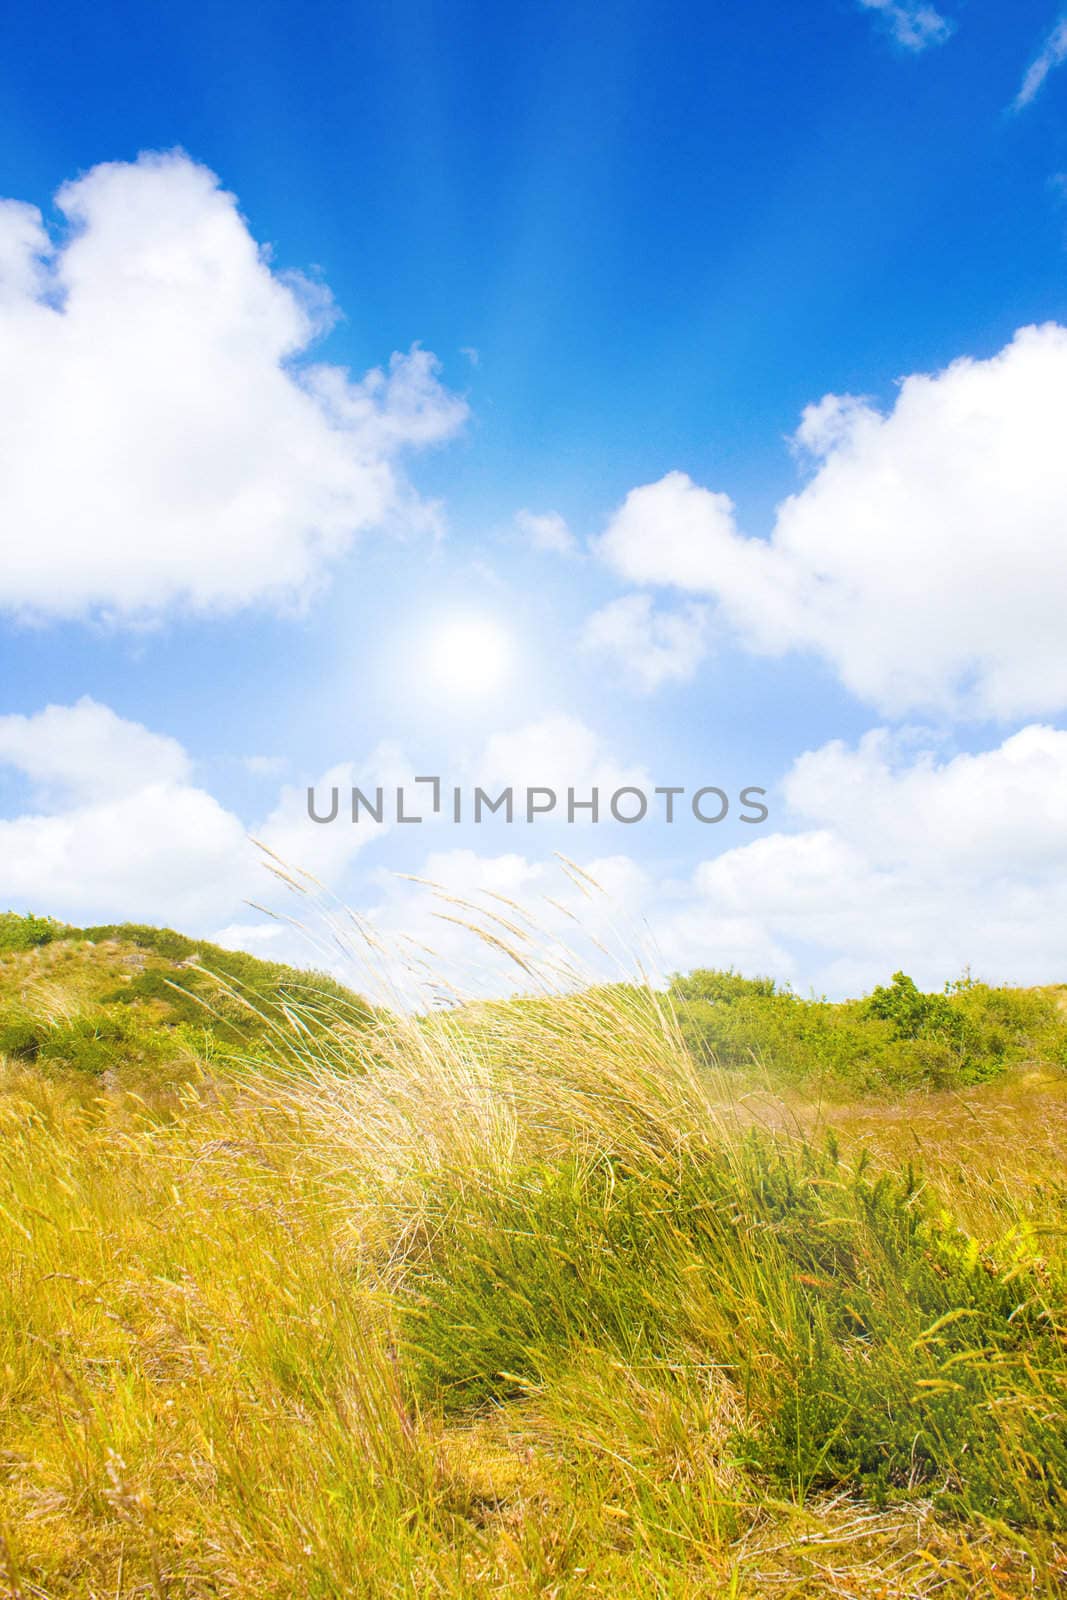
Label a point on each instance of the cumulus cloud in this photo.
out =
(913, 523)
(265, 766)
(1052, 54)
(164, 439)
(556, 752)
(650, 647)
(86, 752)
(546, 530)
(899, 857)
(965, 816)
(917, 862)
(914, 27)
(118, 826)
(890, 853)
(326, 850)
(165, 853)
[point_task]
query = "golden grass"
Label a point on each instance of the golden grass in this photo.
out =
(205, 1388)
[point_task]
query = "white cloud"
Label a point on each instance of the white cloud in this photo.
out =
(165, 441)
(327, 849)
(912, 526)
(88, 752)
(902, 859)
(265, 766)
(555, 752)
(924, 864)
(915, 27)
(165, 854)
(546, 530)
(650, 647)
(1051, 55)
(965, 816)
(273, 941)
(120, 829)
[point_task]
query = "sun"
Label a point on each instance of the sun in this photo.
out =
(468, 656)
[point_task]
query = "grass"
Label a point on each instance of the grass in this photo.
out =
(526, 1300)
(896, 1038)
(137, 1005)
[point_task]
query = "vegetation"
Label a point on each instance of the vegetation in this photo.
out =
(897, 1038)
(528, 1299)
(25, 932)
(147, 1004)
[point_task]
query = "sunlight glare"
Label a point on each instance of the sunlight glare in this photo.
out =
(469, 656)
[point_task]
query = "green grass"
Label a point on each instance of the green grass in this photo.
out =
(143, 1003)
(892, 1349)
(896, 1038)
(26, 932)
(524, 1300)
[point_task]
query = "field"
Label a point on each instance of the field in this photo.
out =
(717, 1292)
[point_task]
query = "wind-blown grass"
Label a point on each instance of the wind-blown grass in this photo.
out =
(523, 1300)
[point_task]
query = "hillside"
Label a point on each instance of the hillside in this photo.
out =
(141, 1003)
(142, 1006)
(533, 1299)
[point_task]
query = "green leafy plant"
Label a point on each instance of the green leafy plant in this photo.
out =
(27, 931)
(898, 1038)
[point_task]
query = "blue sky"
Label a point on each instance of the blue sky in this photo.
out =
(639, 241)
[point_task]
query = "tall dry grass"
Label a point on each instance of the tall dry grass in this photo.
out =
(515, 1300)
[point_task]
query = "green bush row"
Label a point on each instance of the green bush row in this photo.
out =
(897, 1038)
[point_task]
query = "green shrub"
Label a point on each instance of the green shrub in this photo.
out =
(102, 1040)
(808, 1042)
(899, 1038)
(241, 1001)
(883, 1351)
(191, 999)
(164, 941)
(268, 987)
(25, 932)
(721, 988)
(89, 1044)
(915, 1015)
(1019, 1024)
(20, 1038)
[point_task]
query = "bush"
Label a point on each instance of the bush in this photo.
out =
(721, 988)
(915, 1015)
(240, 999)
(89, 1044)
(20, 1038)
(881, 1349)
(255, 985)
(899, 1038)
(189, 999)
(99, 1041)
(164, 941)
(1017, 1024)
(26, 932)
